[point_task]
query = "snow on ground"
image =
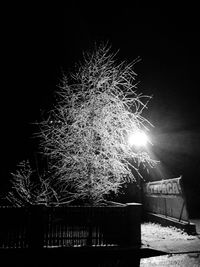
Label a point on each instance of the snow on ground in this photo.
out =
(156, 232)
(185, 260)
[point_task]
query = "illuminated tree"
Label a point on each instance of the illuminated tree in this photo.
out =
(86, 135)
(26, 190)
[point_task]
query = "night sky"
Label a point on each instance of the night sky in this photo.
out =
(40, 42)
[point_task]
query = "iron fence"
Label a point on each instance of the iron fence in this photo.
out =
(72, 226)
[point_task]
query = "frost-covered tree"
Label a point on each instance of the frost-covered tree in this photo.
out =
(26, 190)
(86, 135)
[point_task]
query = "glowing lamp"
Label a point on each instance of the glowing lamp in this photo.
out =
(138, 139)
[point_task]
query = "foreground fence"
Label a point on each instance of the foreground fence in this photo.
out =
(41, 226)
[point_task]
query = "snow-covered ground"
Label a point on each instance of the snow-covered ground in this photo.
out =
(184, 260)
(156, 232)
(183, 249)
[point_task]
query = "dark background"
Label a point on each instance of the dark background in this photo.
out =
(40, 42)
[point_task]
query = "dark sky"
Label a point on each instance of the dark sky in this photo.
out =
(39, 42)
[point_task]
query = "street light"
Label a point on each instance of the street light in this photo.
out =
(138, 139)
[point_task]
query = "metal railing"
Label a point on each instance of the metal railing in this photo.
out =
(71, 226)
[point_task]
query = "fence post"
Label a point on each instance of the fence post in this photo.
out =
(36, 231)
(134, 224)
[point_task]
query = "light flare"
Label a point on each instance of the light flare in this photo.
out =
(138, 139)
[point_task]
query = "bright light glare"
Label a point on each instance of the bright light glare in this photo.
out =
(138, 139)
